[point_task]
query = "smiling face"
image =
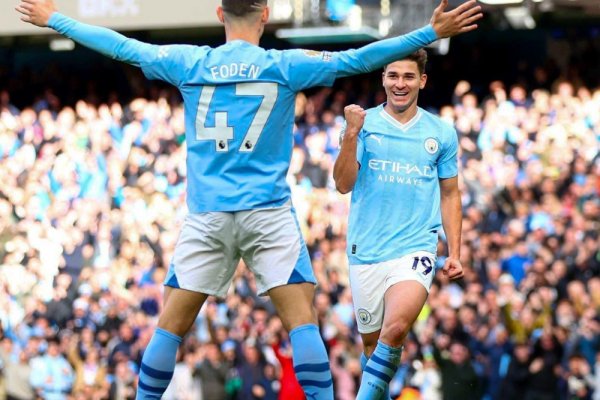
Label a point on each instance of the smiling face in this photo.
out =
(402, 81)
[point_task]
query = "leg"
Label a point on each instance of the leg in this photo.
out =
(203, 262)
(294, 306)
(366, 282)
(370, 342)
(403, 302)
(179, 313)
(271, 244)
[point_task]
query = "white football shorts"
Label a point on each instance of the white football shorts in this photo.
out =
(369, 282)
(211, 244)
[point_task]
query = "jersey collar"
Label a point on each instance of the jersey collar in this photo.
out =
(404, 127)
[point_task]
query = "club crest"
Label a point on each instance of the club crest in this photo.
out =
(431, 145)
(364, 316)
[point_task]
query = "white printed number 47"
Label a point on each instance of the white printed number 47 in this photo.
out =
(222, 133)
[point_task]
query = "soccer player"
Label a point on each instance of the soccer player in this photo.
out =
(239, 114)
(400, 163)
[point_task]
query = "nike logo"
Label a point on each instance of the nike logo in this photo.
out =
(378, 138)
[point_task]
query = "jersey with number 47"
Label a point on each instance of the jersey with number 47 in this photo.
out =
(239, 107)
(239, 104)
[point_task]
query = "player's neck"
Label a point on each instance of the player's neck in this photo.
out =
(402, 116)
(247, 35)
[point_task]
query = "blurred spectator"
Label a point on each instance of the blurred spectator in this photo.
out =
(16, 371)
(459, 379)
(253, 371)
(90, 372)
(543, 369)
(185, 385)
(123, 384)
(289, 388)
(516, 379)
(345, 369)
(213, 372)
(51, 374)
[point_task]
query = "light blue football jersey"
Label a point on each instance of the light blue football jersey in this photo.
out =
(395, 207)
(239, 104)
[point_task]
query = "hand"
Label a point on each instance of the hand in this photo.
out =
(355, 118)
(36, 12)
(453, 268)
(258, 391)
(536, 365)
(459, 20)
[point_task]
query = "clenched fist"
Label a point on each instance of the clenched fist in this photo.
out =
(355, 118)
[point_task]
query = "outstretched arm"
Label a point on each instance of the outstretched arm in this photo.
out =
(43, 13)
(443, 24)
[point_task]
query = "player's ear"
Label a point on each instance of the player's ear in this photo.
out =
(423, 81)
(264, 18)
(220, 14)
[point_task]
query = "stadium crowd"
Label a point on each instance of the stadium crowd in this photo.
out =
(91, 201)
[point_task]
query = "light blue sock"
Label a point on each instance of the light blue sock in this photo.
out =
(311, 362)
(363, 364)
(378, 372)
(158, 364)
(363, 361)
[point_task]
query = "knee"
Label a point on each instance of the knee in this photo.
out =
(393, 333)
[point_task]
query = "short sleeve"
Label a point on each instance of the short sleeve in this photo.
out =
(448, 161)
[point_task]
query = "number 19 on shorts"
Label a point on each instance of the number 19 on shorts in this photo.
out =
(425, 262)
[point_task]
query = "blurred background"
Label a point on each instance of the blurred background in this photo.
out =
(92, 165)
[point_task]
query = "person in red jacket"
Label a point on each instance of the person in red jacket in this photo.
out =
(290, 388)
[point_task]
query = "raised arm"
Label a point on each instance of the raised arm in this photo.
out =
(345, 170)
(43, 13)
(376, 55)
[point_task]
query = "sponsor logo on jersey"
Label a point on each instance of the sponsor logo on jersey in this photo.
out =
(313, 53)
(325, 55)
(431, 145)
(400, 167)
(400, 172)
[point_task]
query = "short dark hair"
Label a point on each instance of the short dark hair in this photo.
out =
(419, 56)
(241, 8)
